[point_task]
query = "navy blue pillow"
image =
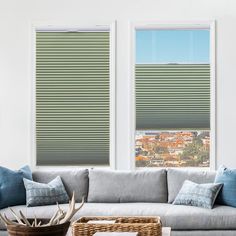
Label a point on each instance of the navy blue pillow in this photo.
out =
(227, 177)
(12, 189)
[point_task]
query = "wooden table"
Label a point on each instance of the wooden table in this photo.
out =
(166, 231)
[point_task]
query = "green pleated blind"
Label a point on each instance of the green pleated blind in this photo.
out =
(172, 96)
(72, 98)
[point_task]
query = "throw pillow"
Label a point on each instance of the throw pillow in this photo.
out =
(199, 195)
(39, 194)
(227, 195)
(12, 190)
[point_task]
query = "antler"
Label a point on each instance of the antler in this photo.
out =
(7, 221)
(72, 210)
(16, 216)
(59, 217)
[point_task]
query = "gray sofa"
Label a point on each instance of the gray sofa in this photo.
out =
(139, 193)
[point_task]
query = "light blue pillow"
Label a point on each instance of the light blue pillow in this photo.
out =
(12, 190)
(39, 194)
(199, 195)
(227, 195)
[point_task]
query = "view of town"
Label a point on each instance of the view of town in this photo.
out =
(172, 148)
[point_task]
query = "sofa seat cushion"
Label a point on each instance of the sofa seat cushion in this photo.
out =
(195, 218)
(175, 216)
(95, 209)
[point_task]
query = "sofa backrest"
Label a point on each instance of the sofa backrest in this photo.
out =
(176, 178)
(98, 185)
(127, 186)
(74, 180)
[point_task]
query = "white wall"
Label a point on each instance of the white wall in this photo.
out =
(16, 17)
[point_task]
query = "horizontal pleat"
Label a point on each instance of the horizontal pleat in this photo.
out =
(172, 96)
(72, 98)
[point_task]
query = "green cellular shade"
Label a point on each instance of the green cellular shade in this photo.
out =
(72, 98)
(172, 96)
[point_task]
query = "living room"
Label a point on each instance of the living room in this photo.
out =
(126, 104)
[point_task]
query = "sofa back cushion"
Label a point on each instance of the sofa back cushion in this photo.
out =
(176, 178)
(74, 180)
(125, 186)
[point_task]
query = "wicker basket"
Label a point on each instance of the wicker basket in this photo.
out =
(145, 226)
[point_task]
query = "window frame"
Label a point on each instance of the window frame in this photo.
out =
(132, 122)
(111, 26)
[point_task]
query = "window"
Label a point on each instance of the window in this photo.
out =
(74, 96)
(173, 97)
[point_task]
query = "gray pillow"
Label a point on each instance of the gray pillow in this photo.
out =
(176, 178)
(127, 186)
(199, 195)
(39, 194)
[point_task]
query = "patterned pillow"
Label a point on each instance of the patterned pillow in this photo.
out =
(39, 194)
(199, 195)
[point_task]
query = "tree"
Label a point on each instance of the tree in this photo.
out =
(194, 153)
(191, 150)
(197, 141)
(203, 156)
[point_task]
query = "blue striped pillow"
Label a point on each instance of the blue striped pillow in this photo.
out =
(39, 194)
(199, 195)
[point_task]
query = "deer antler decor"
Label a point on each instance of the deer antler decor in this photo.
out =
(59, 217)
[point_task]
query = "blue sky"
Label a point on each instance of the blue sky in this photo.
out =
(172, 46)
